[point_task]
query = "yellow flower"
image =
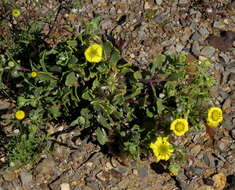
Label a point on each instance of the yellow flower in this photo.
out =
(179, 126)
(214, 117)
(15, 12)
(34, 74)
(11, 64)
(94, 53)
(162, 149)
(20, 115)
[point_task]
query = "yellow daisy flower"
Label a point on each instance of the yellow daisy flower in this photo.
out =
(94, 53)
(20, 115)
(11, 64)
(34, 74)
(162, 149)
(15, 12)
(179, 126)
(214, 117)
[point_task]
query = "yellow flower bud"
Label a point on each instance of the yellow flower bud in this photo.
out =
(20, 114)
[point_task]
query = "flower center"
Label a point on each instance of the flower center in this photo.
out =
(93, 52)
(179, 127)
(163, 149)
(215, 115)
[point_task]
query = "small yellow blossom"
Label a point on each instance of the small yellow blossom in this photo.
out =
(15, 12)
(20, 115)
(94, 53)
(34, 74)
(174, 169)
(179, 126)
(11, 64)
(162, 149)
(214, 117)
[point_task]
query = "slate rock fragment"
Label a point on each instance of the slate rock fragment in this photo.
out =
(222, 42)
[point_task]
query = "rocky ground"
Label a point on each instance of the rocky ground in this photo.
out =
(140, 29)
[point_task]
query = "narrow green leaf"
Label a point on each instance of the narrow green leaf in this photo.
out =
(79, 121)
(87, 95)
(160, 106)
(46, 76)
(107, 47)
(115, 57)
(102, 121)
(101, 136)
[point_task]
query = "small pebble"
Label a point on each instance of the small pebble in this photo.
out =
(108, 166)
(142, 172)
(233, 134)
(218, 25)
(196, 48)
(195, 36)
(219, 181)
(26, 178)
(208, 51)
(135, 172)
(93, 186)
(159, 2)
(203, 31)
(64, 186)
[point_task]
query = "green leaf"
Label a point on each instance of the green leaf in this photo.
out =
(35, 27)
(46, 76)
(32, 130)
(118, 114)
(71, 80)
(62, 58)
(170, 89)
(115, 57)
(160, 106)
(79, 121)
(55, 68)
(102, 121)
(87, 95)
(101, 136)
(135, 93)
(51, 52)
(103, 106)
(137, 75)
(103, 68)
(107, 47)
(72, 43)
(126, 70)
(72, 61)
(54, 110)
(157, 62)
(95, 84)
(149, 113)
(175, 76)
(118, 99)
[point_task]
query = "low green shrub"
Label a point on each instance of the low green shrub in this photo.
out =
(85, 83)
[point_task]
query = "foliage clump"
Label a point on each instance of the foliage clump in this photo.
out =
(84, 82)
